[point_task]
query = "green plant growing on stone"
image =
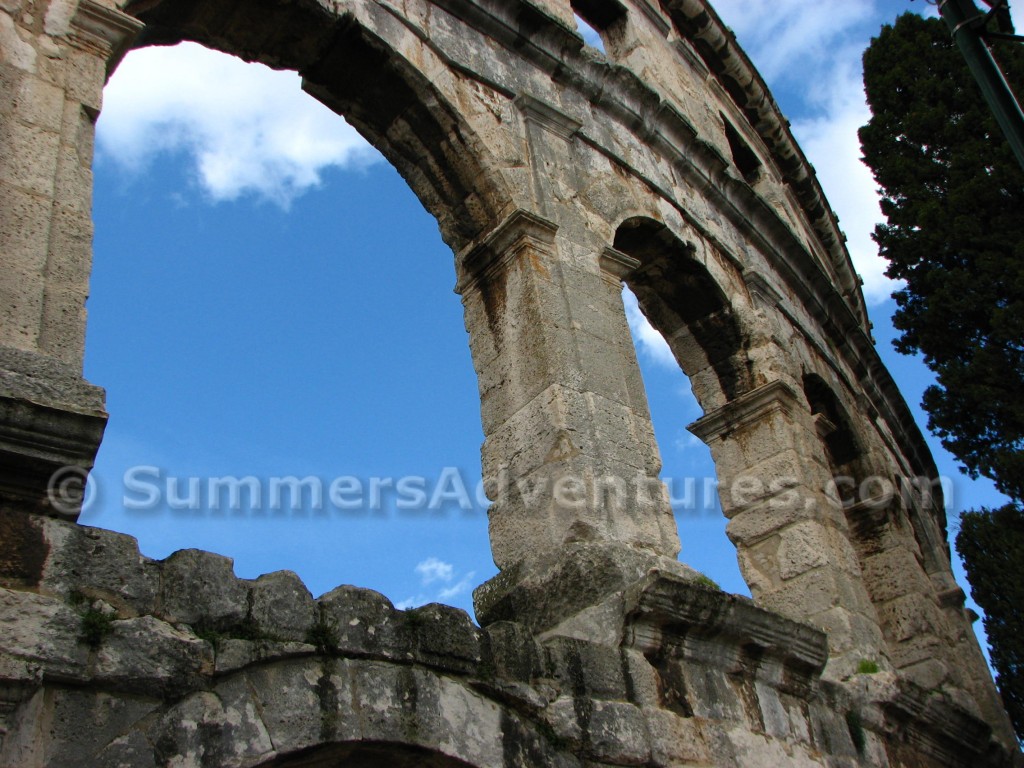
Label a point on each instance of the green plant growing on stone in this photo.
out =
(867, 667)
(96, 626)
(247, 629)
(212, 636)
(707, 581)
(414, 618)
(323, 635)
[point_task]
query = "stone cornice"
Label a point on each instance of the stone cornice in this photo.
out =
(745, 410)
(663, 609)
(105, 30)
(616, 266)
(547, 116)
(716, 44)
(521, 231)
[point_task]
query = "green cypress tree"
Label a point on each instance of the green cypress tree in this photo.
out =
(991, 544)
(953, 197)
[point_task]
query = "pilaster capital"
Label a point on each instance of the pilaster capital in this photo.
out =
(521, 232)
(747, 409)
(616, 266)
(536, 111)
(104, 31)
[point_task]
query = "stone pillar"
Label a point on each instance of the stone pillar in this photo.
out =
(914, 620)
(569, 456)
(53, 65)
(791, 536)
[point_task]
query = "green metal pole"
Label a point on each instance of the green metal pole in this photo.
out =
(958, 15)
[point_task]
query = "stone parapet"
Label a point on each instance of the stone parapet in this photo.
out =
(685, 675)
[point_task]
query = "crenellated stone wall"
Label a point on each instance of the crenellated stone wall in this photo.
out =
(557, 174)
(112, 659)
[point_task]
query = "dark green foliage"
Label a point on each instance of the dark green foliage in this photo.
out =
(953, 197)
(324, 635)
(867, 667)
(707, 581)
(991, 544)
(96, 626)
(247, 629)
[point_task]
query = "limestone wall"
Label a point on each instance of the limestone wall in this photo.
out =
(557, 174)
(112, 659)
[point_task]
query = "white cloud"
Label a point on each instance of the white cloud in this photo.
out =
(648, 341)
(465, 584)
(784, 36)
(433, 570)
(832, 147)
(820, 45)
(248, 130)
(436, 571)
(411, 602)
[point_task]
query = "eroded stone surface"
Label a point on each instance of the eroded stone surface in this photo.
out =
(696, 676)
(556, 173)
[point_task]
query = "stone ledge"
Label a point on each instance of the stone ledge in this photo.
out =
(545, 594)
(663, 607)
(39, 439)
(47, 381)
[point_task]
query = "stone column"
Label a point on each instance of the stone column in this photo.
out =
(791, 536)
(53, 65)
(569, 455)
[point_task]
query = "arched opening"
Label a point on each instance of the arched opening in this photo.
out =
(884, 539)
(833, 425)
(600, 22)
(683, 328)
(367, 755)
(685, 304)
(407, 120)
(359, 75)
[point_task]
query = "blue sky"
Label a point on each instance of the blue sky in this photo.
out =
(269, 300)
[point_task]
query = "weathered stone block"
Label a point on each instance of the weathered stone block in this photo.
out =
(200, 589)
(676, 740)
(148, 656)
(802, 547)
(31, 163)
(207, 730)
(281, 606)
(84, 722)
(296, 697)
(99, 564)
(362, 621)
(40, 103)
(442, 637)
(585, 669)
(616, 732)
(893, 573)
(44, 631)
(509, 652)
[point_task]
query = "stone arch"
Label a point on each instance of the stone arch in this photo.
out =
(346, 64)
(683, 301)
(366, 754)
(842, 447)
